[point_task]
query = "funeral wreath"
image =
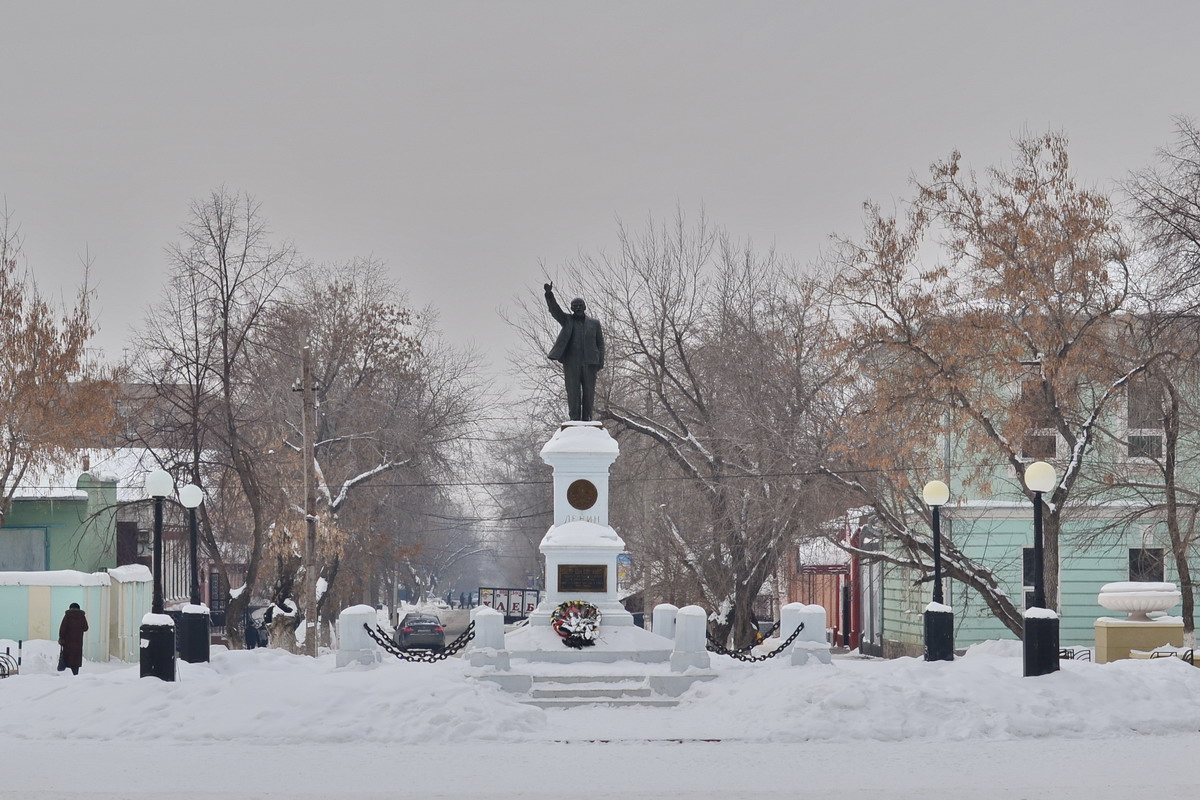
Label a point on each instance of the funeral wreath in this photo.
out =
(577, 622)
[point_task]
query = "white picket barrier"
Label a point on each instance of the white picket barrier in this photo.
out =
(691, 650)
(662, 621)
(811, 644)
(487, 646)
(354, 645)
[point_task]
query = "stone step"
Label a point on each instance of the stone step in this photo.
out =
(606, 679)
(571, 692)
(625, 702)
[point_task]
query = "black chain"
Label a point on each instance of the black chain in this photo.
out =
(713, 643)
(743, 654)
(425, 656)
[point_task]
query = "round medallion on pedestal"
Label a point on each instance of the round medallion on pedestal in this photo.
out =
(582, 494)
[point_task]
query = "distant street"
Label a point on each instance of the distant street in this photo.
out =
(455, 621)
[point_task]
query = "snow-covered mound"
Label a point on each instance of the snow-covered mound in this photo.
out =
(272, 697)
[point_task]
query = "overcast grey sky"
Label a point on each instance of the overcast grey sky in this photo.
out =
(464, 143)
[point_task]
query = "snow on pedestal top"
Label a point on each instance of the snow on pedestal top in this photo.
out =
(1138, 586)
(581, 533)
(581, 438)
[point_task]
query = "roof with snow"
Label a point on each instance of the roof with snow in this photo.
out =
(820, 552)
(124, 466)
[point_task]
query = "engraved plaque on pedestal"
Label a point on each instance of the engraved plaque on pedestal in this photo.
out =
(582, 577)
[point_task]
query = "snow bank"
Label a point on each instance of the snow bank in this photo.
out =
(270, 696)
(266, 697)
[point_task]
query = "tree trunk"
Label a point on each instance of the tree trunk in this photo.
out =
(1051, 527)
(235, 628)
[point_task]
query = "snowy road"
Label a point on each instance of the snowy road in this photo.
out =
(1063, 769)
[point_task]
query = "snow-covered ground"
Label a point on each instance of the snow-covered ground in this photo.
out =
(269, 724)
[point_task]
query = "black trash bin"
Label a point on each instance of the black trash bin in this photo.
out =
(158, 652)
(194, 636)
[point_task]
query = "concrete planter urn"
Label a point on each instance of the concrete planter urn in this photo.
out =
(1138, 599)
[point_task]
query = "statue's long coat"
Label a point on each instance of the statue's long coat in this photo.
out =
(587, 328)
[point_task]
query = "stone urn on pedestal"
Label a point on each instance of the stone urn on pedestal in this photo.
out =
(1116, 638)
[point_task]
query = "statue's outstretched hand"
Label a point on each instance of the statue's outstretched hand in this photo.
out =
(549, 287)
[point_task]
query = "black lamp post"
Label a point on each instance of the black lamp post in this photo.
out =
(939, 618)
(158, 630)
(194, 624)
(1041, 624)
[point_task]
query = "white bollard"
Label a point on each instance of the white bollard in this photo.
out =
(662, 621)
(811, 643)
(354, 645)
(690, 649)
(487, 646)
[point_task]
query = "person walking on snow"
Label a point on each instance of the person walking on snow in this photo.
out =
(70, 637)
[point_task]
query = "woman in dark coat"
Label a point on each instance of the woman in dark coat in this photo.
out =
(70, 637)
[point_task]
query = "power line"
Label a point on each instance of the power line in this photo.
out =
(648, 479)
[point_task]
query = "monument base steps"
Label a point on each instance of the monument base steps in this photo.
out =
(575, 689)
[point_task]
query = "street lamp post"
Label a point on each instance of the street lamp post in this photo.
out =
(939, 617)
(1041, 624)
(158, 629)
(194, 624)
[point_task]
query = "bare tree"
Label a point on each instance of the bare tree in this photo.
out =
(1007, 331)
(396, 408)
(201, 348)
(52, 395)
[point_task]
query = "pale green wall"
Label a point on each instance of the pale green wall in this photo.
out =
(1088, 562)
(1092, 552)
(81, 532)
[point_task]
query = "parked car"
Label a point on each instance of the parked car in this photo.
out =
(420, 630)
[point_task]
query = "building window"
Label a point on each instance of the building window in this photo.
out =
(1039, 447)
(1146, 564)
(1143, 445)
(1042, 441)
(1144, 419)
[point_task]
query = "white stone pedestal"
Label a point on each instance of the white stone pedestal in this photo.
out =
(581, 552)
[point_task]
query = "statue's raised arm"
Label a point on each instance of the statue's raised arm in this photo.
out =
(551, 303)
(580, 349)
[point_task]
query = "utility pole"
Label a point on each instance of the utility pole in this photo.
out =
(308, 430)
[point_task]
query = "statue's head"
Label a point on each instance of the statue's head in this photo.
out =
(578, 306)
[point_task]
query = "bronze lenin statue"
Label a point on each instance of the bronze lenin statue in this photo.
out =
(580, 349)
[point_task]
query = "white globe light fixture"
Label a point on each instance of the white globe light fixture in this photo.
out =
(191, 495)
(1040, 477)
(936, 493)
(159, 483)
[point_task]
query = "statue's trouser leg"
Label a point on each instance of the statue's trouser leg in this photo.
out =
(573, 375)
(588, 377)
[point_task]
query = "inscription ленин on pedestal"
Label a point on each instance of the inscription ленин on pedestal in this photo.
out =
(582, 577)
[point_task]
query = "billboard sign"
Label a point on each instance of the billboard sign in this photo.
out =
(513, 603)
